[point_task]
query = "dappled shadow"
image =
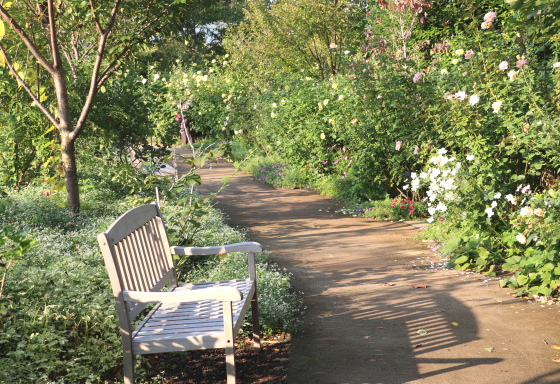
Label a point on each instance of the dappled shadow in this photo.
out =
(382, 329)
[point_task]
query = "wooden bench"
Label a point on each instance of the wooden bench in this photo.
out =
(186, 317)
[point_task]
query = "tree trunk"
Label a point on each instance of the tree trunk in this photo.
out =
(67, 139)
(70, 172)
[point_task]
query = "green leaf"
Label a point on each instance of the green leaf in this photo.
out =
(199, 161)
(522, 279)
(191, 179)
(461, 259)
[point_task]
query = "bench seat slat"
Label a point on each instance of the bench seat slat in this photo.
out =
(191, 325)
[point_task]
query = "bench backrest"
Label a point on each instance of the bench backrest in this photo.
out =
(136, 252)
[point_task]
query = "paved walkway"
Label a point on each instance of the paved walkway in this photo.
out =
(365, 322)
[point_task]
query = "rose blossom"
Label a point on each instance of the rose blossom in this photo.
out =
(521, 63)
(490, 17)
(496, 106)
(539, 212)
(521, 238)
(512, 75)
(474, 99)
(460, 95)
(526, 211)
(503, 66)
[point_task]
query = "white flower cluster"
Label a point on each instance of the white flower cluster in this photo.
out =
(442, 179)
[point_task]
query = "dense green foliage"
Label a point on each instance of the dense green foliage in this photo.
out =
(462, 77)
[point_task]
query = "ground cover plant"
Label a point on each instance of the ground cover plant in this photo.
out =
(58, 322)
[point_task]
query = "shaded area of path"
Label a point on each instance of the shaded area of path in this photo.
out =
(364, 322)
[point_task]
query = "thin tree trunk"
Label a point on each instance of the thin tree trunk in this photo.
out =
(70, 172)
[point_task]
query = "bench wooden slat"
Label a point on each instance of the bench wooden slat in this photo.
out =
(140, 264)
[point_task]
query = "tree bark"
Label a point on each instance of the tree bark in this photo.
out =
(68, 153)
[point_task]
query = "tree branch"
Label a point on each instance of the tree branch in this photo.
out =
(95, 17)
(26, 40)
(97, 79)
(52, 37)
(94, 82)
(28, 89)
(109, 69)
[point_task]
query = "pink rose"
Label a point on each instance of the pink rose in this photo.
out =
(521, 63)
(490, 17)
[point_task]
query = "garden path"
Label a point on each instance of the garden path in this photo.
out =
(364, 321)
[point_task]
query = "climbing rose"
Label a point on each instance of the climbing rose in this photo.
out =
(474, 99)
(490, 17)
(503, 66)
(512, 75)
(460, 95)
(521, 238)
(486, 25)
(469, 54)
(526, 211)
(398, 145)
(521, 63)
(496, 106)
(539, 212)
(417, 77)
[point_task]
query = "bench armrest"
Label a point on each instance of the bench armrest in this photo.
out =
(211, 293)
(248, 247)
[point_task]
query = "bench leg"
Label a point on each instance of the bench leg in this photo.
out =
(128, 365)
(230, 342)
(256, 324)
